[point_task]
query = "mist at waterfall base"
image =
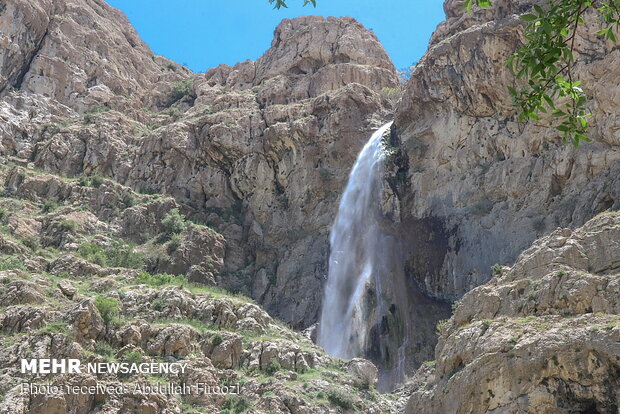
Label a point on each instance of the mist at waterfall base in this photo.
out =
(365, 296)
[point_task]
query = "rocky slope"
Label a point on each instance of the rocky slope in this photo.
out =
(72, 285)
(260, 151)
(541, 337)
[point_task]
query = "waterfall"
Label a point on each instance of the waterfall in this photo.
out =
(355, 313)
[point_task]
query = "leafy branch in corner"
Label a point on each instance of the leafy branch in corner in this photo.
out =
(547, 61)
(282, 3)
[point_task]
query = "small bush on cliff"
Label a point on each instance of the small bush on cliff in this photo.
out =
(94, 180)
(117, 254)
(235, 404)
(174, 222)
(160, 279)
(50, 205)
(180, 89)
(341, 399)
(108, 308)
(68, 225)
(12, 263)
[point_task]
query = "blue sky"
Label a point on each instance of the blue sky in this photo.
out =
(205, 33)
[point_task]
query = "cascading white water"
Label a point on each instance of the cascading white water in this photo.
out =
(357, 257)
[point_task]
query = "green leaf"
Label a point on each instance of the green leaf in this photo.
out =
(529, 17)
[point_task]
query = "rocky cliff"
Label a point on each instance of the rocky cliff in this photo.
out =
(479, 186)
(259, 151)
(541, 337)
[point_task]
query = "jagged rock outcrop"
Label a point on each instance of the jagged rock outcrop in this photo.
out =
(541, 337)
(480, 187)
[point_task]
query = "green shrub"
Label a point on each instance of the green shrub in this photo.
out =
(56, 327)
(174, 222)
(123, 255)
(12, 263)
(3, 213)
(94, 180)
(173, 244)
(129, 200)
(68, 225)
(104, 349)
(273, 367)
(108, 308)
(97, 109)
(158, 304)
(181, 89)
(341, 399)
(235, 404)
(160, 279)
(31, 242)
(50, 205)
(440, 325)
(93, 253)
(117, 254)
(133, 357)
(497, 269)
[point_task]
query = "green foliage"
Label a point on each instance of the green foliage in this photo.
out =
(217, 340)
(235, 404)
(273, 367)
(341, 399)
(56, 327)
(94, 180)
(31, 242)
(160, 279)
(158, 304)
(440, 326)
(282, 3)
(497, 269)
(108, 308)
(104, 349)
(181, 89)
(174, 222)
(12, 263)
(97, 109)
(50, 205)
(117, 254)
(68, 225)
(547, 59)
(173, 244)
(3, 213)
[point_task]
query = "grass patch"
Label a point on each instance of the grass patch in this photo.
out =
(12, 263)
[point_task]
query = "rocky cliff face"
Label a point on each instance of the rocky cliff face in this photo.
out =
(480, 187)
(541, 337)
(259, 151)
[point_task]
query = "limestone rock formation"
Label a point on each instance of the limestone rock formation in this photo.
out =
(480, 186)
(82, 291)
(259, 151)
(541, 337)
